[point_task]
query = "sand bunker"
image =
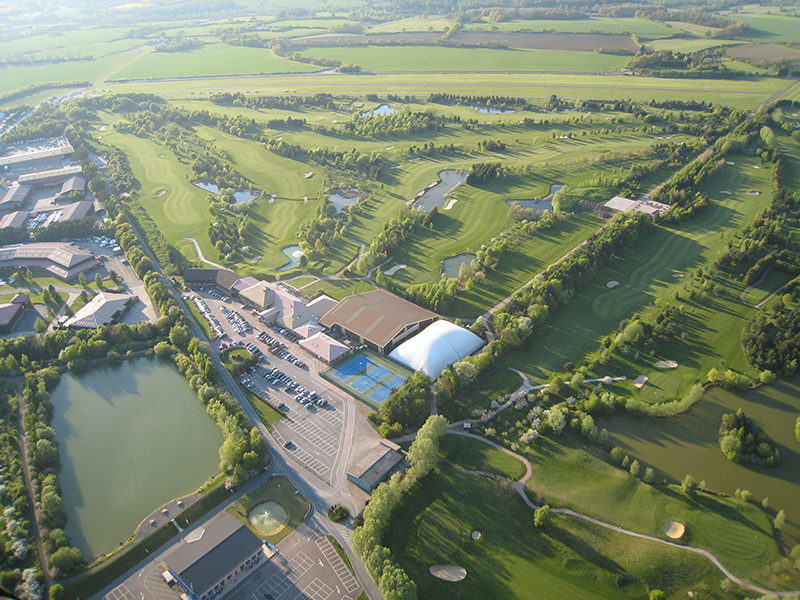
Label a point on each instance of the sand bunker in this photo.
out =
(674, 530)
(667, 364)
(279, 138)
(752, 193)
(161, 155)
(271, 199)
(103, 128)
(640, 381)
(612, 284)
(451, 203)
(388, 147)
(729, 162)
(308, 175)
(448, 572)
(160, 193)
(476, 535)
(677, 275)
(730, 193)
(305, 199)
(755, 166)
(394, 270)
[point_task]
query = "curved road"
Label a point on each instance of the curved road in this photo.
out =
(200, 254)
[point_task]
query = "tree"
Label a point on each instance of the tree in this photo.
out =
(617, 454)
(657, 595)
(542, 517)
(689, 485)
(780, 520)
(649, 475)
(797, 429)
(40, 325)
(56, 591)
(713, 375)
(635, 468)
(66, 560)
(82, 280)
(98, 281)
(767, 377)
(52, 504)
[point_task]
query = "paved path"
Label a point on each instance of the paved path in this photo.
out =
(750, 287)
(200, 254)
(772, 295)
(520, 487)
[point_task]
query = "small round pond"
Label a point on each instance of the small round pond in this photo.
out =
(268, 517)
(344, 198)
(435, 194)
(293, 253)
(492, 110)
(452, 266)
(238, 197)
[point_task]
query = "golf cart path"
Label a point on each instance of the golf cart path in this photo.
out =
(200, 254)
(519, 486)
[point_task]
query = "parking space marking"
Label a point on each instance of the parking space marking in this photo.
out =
(120, 592)
(316, 435)
(337, 564)
(279, 583)
(304, 458)
(155, 584)
(334, 417)
(316, 590)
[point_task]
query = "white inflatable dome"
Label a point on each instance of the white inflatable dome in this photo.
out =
(440, 344)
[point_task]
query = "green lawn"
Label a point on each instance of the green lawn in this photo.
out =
(268, 415)
(568, 473)
(594, 24)
(15, 77)
(512, 558)
(434, 58)
(476, 455)
(276, 489)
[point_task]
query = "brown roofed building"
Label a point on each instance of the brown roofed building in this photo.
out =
(378, 319)
(65, 261)
(222, 279)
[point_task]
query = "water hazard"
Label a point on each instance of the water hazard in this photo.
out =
(382, 111)
(492, 110)
(435, 194)
(344, 198)
(452, 266)
(293, 253)
(687, 444)
(131, 439)
(542, 204)
(238, 197)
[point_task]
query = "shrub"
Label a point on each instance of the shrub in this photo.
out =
(338, 513)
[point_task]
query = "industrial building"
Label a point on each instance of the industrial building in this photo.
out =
(62, 260)
(104, 309)
(14, 220)
(13, 197)
(377, 465)
(646, 206)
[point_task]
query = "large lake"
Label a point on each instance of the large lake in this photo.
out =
(132, 438)
(688, 444)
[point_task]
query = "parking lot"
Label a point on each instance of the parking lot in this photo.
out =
(312, 428)
(306, 567)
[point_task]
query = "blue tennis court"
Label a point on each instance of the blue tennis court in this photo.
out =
(362, 384)
(381, 394)
(347, 370)
(394, 382)
(378, 372)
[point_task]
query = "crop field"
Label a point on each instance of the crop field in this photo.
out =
(576, 42)
(211, 60)
(690, 44)
(427, 58)
(593, 24)
(412, 24)
(20, 76)
(94, 41)
(771, 28)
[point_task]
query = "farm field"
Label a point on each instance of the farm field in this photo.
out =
(15, 77)
(771, 28)
(599, 24)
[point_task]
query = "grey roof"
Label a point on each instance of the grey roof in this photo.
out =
(225, 544)
(15, 195)
(9, 311)
(376, 466)
(77, 211)
(77, 182)
(14, 219)
(221, 277)
(100, 310)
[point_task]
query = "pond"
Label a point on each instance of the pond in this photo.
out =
(382, 111)
(542, 204)
(293, 253)
(492, 110)
(435, 195)
(239, 197)
(687, 444)
(131, 439)
(268, 517)
(451, 266)
(345, 198)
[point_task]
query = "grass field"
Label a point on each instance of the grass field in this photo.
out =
(512, 558)
(431, 58)
(772, 28)
(737, 533)
(21, 76)
(276, 489)
(594, 24)
(211, 60)
(475, 455)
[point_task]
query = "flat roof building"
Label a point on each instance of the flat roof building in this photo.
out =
(325, 347)
(378, 319)
(377, 465)
(62, 260)
(21, 158)
(51, 176)
(646, 206)
(105, 308)
(210, 560)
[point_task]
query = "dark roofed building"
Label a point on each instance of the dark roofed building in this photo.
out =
(377, 466)
(13, 198)
(77, 211)
(222, 279)
(378, 319)
(76, 183)
(11, 312)
(212, 558)
(65, 261)
(14, 220)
